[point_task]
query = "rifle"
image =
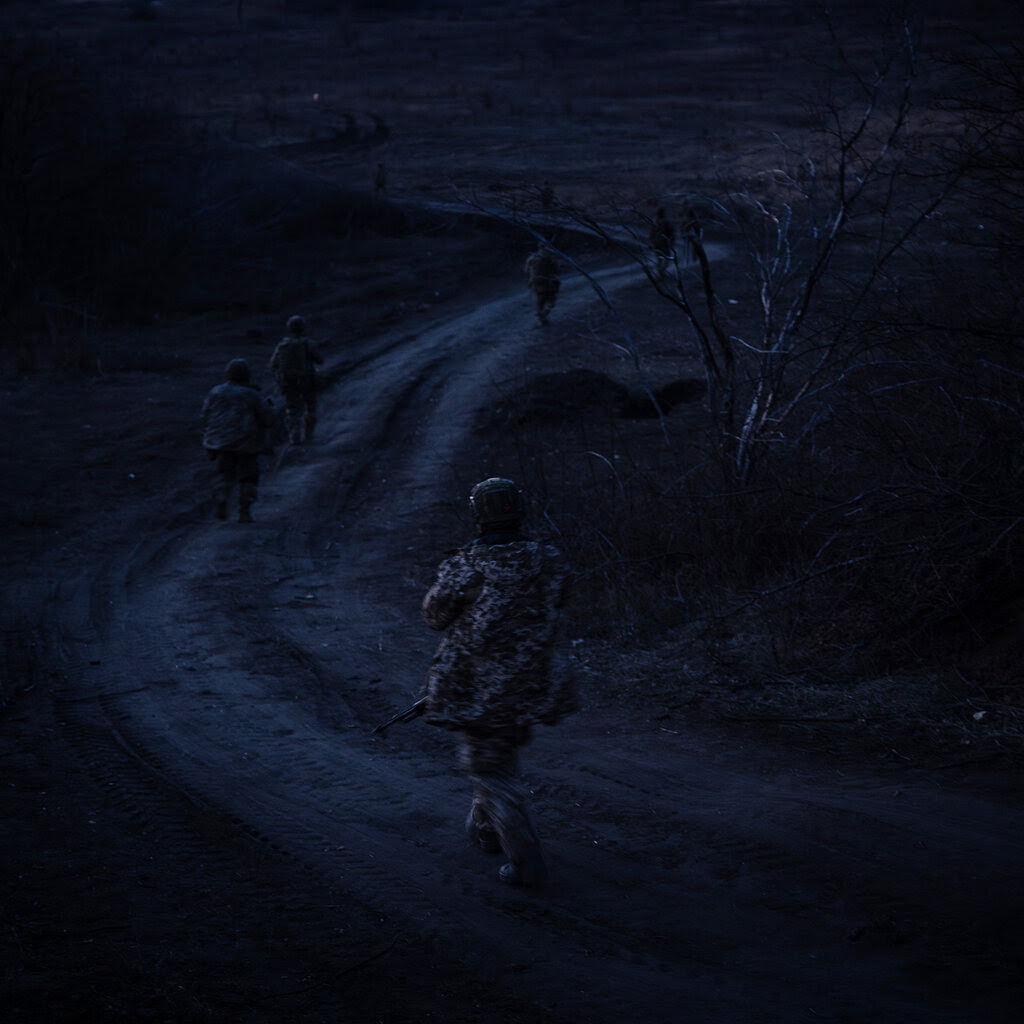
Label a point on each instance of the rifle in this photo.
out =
(408, 715)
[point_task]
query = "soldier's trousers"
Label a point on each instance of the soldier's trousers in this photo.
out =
(300, 410)
(242, 468)
(499, 801)
(546, 292)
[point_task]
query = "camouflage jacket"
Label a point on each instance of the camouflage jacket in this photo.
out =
(497, 602)
(235, 418)
(294, 361)
(541, 269)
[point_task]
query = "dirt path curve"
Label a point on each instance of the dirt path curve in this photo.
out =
(222, 682)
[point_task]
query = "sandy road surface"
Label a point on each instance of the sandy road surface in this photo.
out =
(218, 685)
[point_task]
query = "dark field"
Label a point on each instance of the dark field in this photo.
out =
(198, 823)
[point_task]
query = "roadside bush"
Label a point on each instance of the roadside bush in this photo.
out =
(881, 530)
(920, 505)
(858, 479)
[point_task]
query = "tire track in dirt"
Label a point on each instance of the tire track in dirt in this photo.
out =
(135, 748)
(220, 707)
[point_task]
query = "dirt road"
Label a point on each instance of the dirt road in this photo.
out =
(205, 828)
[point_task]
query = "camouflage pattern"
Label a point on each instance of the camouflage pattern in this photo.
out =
(294, 367)
(235, 422)
(497, 601)
(235, 418)
(241, 468)
(498, 819)
(542, 272)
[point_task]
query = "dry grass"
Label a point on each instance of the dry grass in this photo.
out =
(925, 719)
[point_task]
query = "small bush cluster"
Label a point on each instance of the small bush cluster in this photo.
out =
(856, 478)
(881, 530)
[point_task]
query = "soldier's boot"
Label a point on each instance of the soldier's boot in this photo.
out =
(527, 871)
(498, 801)
(246, 496)
(481, 831)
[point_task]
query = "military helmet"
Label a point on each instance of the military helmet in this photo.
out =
(296, 325)
(497, 500)
(238, 371)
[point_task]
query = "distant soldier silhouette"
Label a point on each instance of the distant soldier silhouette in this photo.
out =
(542, 272)
(662, 240)
(380, 180)
(235, 419)
(805, 173)
(692, 233)
(497, 600)
(294, 367)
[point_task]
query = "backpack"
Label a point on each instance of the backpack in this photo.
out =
(291, 360)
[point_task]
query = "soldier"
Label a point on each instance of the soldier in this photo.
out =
(542, 279)
(662, 239)
(235, 422)
(294, 366)
(497, 600)
(692, 233)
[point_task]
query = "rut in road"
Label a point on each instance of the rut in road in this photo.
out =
(239, 671)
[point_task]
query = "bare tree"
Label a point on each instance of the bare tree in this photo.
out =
(818, 230)
(856, 436)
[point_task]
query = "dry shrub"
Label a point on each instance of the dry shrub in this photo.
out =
(896, 518)
(924, 492)
(881, 532)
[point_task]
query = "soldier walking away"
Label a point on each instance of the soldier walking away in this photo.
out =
(235, 420)
(693, 232)
(380, 180)
(497, 601)
(294, 367)
(542, 279)
(662, 240)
